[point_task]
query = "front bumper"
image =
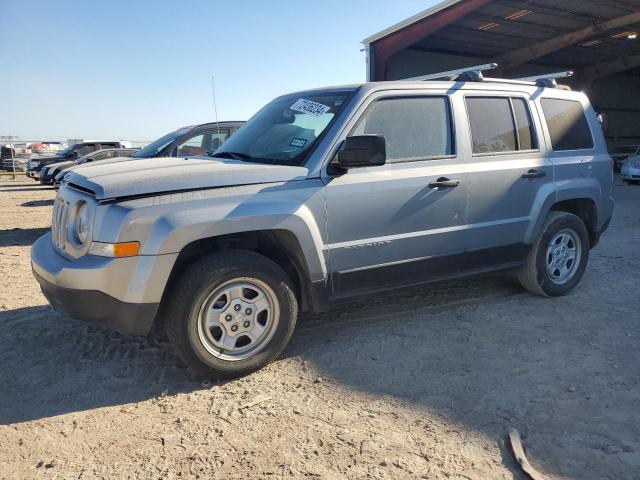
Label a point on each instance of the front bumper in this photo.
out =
(122, 294)
(100, 309)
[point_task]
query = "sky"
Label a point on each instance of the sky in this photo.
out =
(137, 69)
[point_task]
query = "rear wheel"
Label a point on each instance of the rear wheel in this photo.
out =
(559, 258)
(231, 313)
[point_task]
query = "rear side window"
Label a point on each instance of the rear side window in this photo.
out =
(413, 128)
(524, 127)
(500, 124)
(568, 125)
(100, 156)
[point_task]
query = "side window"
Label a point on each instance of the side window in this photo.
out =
(192, 146)
(100, 156)
(84, 149)
(492, 128)
(413, 128)
(107, 145)
(217, 138)
(567, 123)
(500, 124)
(524, 126)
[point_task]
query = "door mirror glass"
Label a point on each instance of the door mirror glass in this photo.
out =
(361, 151)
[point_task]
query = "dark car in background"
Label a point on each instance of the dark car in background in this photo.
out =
(189, 141)
(49, 173)
(34, 167)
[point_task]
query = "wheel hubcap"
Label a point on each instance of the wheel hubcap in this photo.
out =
(238, 318)
(563, 256)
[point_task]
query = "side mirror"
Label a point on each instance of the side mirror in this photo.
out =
(361, 151)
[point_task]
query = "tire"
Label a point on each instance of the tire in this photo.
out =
(192, 298)
(535, 276)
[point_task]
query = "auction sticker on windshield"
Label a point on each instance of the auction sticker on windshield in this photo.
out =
(312, 108)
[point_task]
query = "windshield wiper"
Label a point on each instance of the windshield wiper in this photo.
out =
(231, 155)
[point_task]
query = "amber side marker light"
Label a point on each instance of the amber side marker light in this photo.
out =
(114, 250)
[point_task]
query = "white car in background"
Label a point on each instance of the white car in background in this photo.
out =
(620, 154)
(630, 171)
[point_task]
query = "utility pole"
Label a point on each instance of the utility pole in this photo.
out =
(11, 138)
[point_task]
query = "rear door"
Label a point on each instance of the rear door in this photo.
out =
(508, 167)
(390, 225)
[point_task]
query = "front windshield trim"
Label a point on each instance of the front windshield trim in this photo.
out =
(303, 157)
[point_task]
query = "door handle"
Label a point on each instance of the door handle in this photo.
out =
(444, 182)
(534, 174)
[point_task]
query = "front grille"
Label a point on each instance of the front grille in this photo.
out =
(59, 223)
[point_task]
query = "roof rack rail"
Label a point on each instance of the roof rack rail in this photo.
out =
(549, 79)
(466, 74)
(474, 74)
(548, 76)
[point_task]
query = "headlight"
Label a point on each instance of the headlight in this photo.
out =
(82, 223)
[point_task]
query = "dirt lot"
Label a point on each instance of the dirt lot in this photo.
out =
(421, 384)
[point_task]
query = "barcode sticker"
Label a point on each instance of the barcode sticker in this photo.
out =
(312, 108)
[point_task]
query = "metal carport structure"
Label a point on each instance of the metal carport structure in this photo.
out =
(598, 39)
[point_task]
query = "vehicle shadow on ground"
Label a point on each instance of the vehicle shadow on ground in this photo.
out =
(38, 203)
(546, 367)
(56, 365)
(46, 366)
(21, 237)
(480, 353)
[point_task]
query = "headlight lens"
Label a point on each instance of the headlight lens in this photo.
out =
(82, 223)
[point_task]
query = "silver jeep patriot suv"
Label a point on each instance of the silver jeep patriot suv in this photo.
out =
(324, 195)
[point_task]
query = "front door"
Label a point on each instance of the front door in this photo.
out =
(394, 224)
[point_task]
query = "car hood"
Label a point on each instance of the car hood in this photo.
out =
(67, 163)
(47, 160)
(159, 175)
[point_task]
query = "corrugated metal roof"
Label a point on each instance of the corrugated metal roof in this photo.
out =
(411, 20)
(502, 26)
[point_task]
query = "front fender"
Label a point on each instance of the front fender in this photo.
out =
(168, 223)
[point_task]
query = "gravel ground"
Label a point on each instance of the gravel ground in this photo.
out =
(420, 384)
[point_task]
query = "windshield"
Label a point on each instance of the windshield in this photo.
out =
(156, 146)
(285, 130)
(66, 151)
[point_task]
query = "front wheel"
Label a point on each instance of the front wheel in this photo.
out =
(559, 258)
(231, 313)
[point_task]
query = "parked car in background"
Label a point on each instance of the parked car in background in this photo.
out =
(70, 153)
(326, 195)
(49, 173)
(18, 163)
(187, 141)
(192, 140)
(21, 160)
(630, 171)
(620, 154)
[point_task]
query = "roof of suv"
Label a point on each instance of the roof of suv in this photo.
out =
(497, 84)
